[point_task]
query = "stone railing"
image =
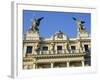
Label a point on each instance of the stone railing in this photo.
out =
(64, 51)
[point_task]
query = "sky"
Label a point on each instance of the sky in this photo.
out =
(55, 21)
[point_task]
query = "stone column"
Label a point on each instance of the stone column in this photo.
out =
(82, 63)
(52, 48)
(25, 48)
(34, 66)
(51, 65)
(68, 64)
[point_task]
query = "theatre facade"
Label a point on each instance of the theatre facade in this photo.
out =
(57, 51)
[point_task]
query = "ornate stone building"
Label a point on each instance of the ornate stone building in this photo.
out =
(57, 51)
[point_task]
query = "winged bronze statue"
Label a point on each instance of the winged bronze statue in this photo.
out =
(35, 24)
(80, 24)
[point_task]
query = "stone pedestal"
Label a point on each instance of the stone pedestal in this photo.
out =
(83, 35)
(32, 36)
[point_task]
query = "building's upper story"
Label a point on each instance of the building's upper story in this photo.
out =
(57, 43)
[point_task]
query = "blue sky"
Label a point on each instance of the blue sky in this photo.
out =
(55, 21)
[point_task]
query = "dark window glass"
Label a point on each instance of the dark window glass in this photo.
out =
(59, 47)
(73, 47)
(86, 48)
(29, 49)
(45, 48)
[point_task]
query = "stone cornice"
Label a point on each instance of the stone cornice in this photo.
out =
(58, 55)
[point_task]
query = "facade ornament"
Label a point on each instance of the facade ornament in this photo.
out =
(52, 45)
(37, 47)
(60, 34)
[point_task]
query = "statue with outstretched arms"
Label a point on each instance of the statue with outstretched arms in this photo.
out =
(80, 25)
